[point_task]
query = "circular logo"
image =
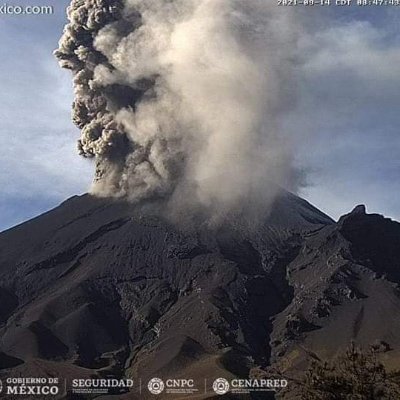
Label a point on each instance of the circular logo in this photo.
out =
(221, 386)
(155, 385)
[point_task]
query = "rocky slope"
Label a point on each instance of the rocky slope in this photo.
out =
(95, 288)
(346, 288)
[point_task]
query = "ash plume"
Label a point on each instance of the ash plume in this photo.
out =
(183, 99)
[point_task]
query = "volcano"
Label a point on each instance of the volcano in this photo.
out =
(95, 288)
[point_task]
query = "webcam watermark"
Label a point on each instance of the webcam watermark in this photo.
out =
(8, 9)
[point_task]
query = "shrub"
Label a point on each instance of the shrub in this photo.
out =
(355, 375)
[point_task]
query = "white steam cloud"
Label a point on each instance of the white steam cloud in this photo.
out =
(184, 99)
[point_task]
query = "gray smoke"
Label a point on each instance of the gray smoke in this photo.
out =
(184, 99)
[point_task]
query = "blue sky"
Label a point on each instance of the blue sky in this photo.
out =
(349, 105)
(353, 86)
(38, 162)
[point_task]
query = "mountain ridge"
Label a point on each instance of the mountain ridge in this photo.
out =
(94, 287)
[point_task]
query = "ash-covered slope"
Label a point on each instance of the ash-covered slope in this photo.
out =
(92, 287)
(346, 289)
